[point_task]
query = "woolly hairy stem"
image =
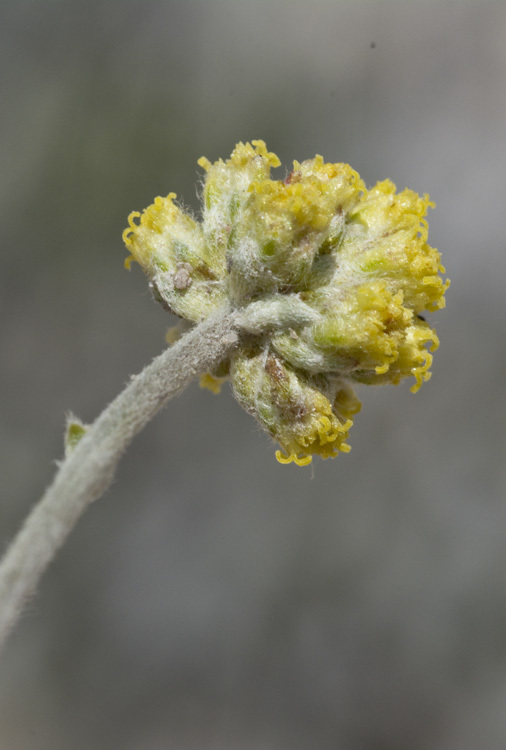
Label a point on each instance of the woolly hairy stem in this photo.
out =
(86, 473)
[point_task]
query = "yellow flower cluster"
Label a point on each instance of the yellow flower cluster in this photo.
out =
(335, 276)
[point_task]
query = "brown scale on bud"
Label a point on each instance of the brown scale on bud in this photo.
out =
(183, 276)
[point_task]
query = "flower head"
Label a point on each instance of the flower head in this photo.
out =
(332, 279)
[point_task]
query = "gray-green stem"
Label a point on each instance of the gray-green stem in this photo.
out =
(86, 473)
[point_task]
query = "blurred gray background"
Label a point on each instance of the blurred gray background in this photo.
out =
(215, 599)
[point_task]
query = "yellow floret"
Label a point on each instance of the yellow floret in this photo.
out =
(210, 383)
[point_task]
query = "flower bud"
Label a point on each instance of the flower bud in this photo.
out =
(305, 415)
(330, 279)
(186, 275)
